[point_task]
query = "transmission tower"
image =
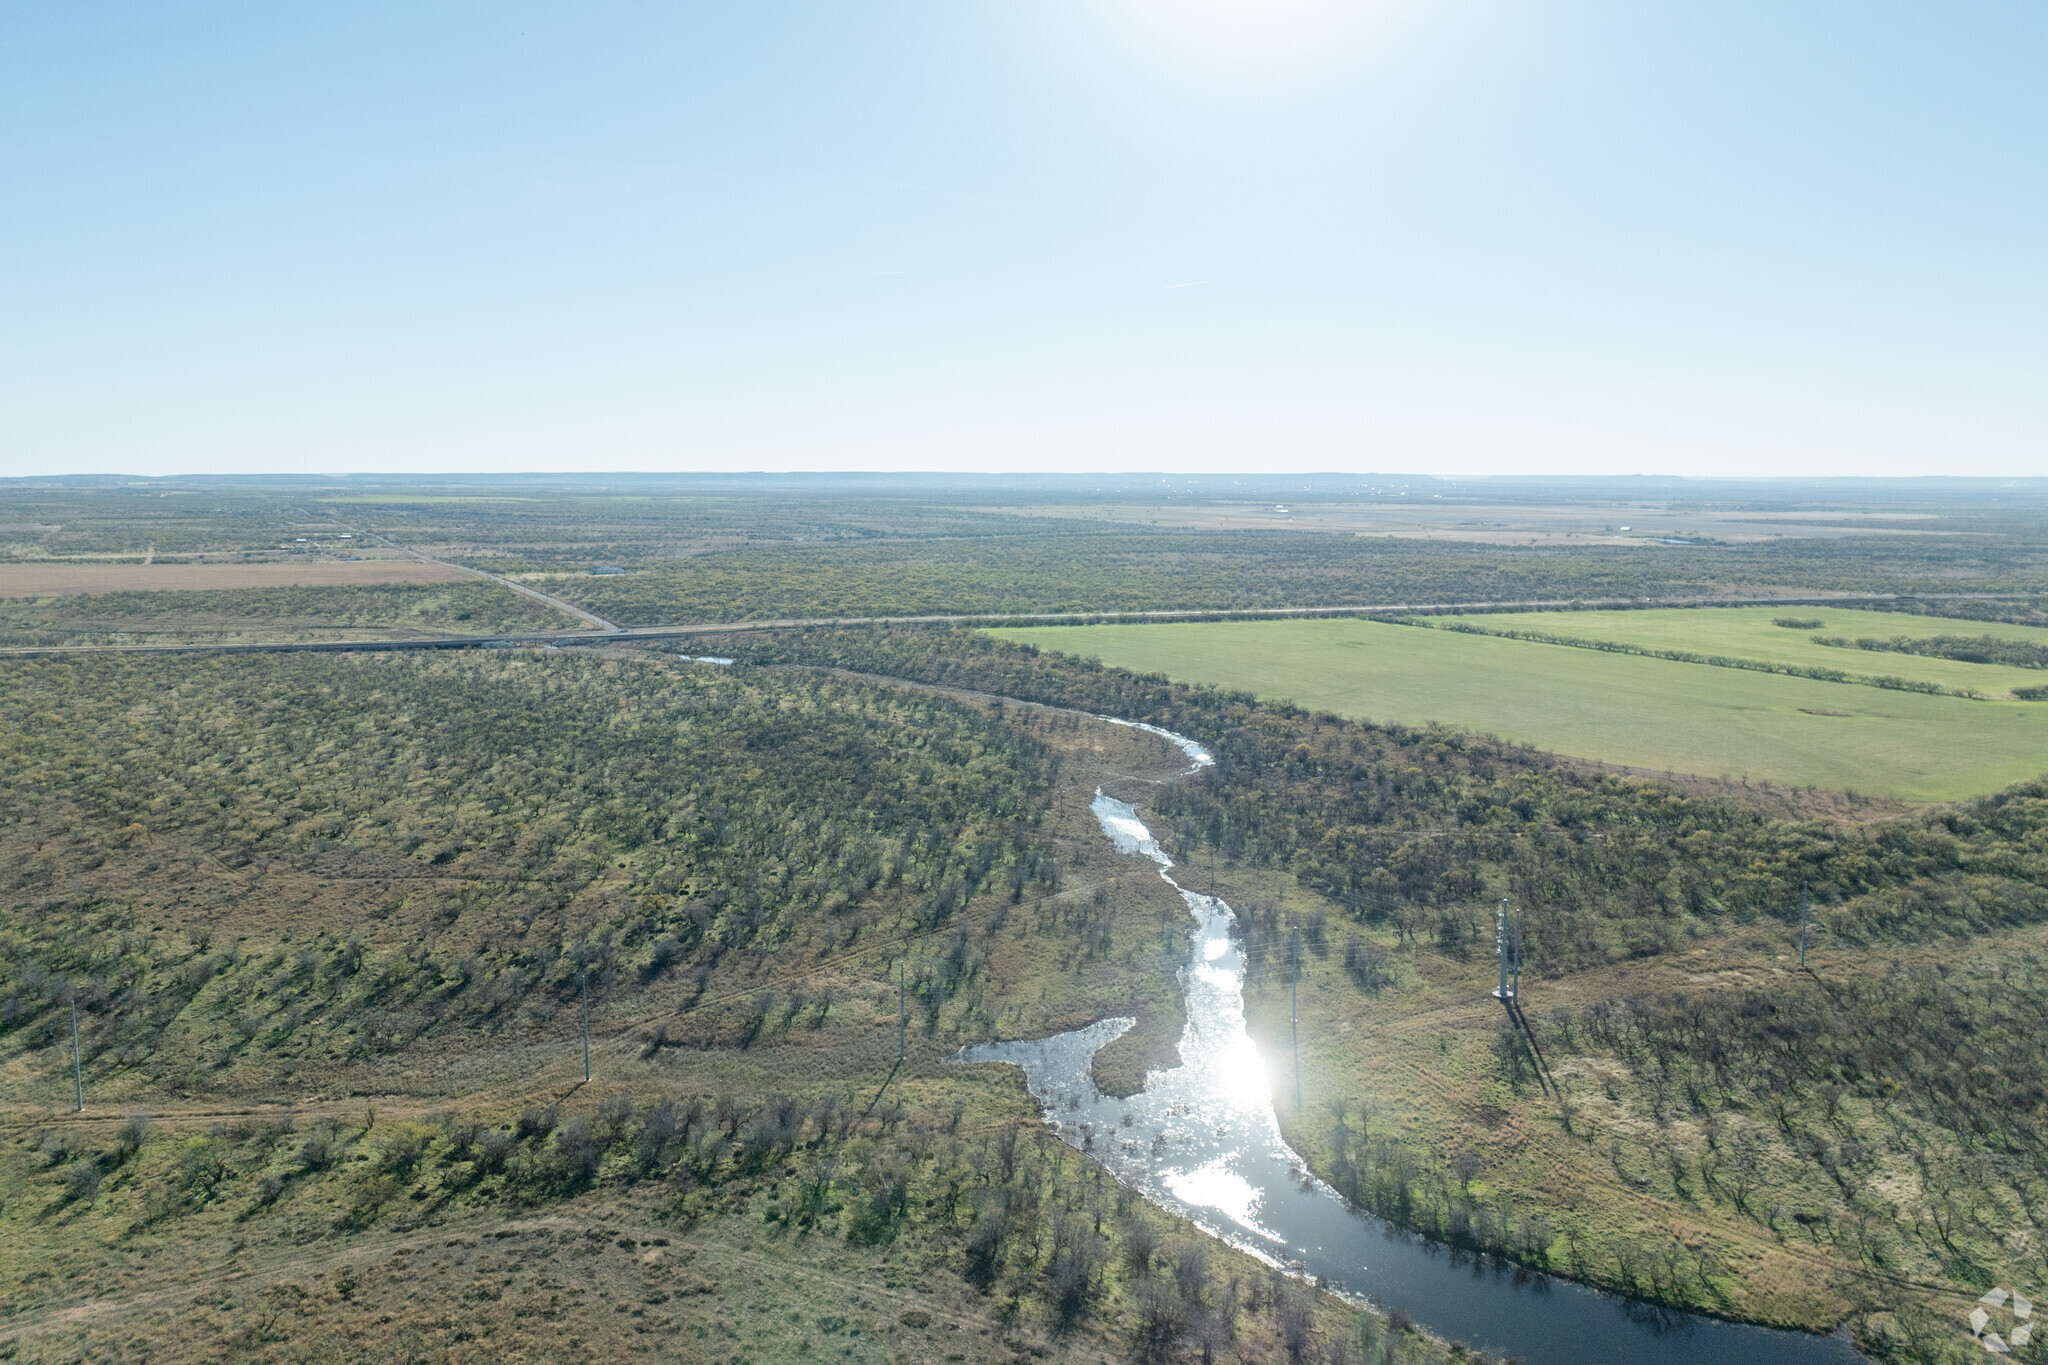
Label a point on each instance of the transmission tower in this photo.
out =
(1516, 983)
(1294, 1009)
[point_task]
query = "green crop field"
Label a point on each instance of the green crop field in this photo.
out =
(1752, 633)
(1617, 708)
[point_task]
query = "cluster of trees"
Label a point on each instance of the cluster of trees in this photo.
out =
(1381, 1172)
(2027, 609)
(1981, 649)
(528, 818)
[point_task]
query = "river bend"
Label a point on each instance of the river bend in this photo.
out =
(1202, 1141)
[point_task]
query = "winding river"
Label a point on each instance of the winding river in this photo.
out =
(1202, 1141)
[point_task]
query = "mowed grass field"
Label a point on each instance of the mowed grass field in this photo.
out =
(1615, 708)
(1753, 633)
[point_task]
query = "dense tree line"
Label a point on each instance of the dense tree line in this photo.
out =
(1979, 649)
(2031, 610)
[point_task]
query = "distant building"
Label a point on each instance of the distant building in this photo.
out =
(606, 569)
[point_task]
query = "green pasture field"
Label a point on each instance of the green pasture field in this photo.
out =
(1751, 633)
(1615, 708)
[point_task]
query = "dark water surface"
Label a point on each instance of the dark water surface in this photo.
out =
(1202, 1141)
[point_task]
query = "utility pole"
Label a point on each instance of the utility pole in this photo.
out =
(1294, 1010)
(1805, 913)
(586, 1025)
(77, 1066)
(902, 1013)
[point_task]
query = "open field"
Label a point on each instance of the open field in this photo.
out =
(1642, 713)
(1752, 633)
(63, 580)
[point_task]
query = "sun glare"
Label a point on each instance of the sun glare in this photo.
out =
(1257, 32)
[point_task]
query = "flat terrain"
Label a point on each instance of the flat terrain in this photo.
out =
(64, 580)
(1647, 526)
(1613, 708)
(1753, 633)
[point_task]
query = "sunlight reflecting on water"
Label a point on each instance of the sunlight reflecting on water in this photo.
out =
(1202, 1140)
(1216, 1185)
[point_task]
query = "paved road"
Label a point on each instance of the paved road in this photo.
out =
(614, 634)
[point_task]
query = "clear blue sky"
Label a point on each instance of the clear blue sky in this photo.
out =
(1423, 235)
